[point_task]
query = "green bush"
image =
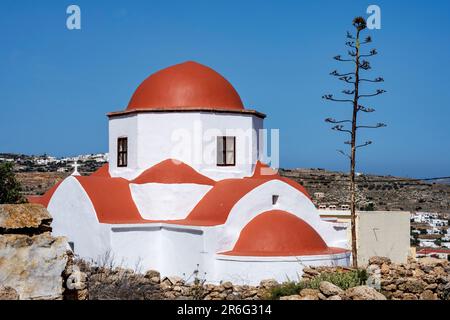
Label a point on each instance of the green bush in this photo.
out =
(343, 280)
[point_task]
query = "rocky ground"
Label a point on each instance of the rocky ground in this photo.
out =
(384, 192)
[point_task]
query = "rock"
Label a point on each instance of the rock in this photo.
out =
(390, 287)
(379, 260)
(152, 274)
(385, 269)
(428, 295)
(8, 293)
(322, 296)
(439, 271)
(364, 293)
(334, 298)
(409, 296)
(329, 289)
(431, 286)
(418, 273)
(33, 265)
(428, 261)
(227, 285)
(268, 283)
(293, 297)
(24, 216)
(309, 297)
(413, 285)
(174, 280)
(310, 271)
(309, 292)
(177, 289)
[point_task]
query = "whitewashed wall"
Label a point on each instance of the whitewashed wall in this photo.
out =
(160, 201)
(74, 217)
(154, 137)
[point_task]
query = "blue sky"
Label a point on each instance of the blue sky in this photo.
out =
(57, 85)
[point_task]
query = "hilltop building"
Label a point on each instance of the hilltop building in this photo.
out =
(184, 190)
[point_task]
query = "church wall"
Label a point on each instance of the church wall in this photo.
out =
(181, 251)
(137, 246)
(124, 126)
(187, 136)
(74, 217)
(160, 201)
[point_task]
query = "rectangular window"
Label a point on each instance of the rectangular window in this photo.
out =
(226, 154)
(122, 152)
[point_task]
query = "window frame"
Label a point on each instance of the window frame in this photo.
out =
(122, 162)
(224, 152)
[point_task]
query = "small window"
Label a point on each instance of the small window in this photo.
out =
(122, 152)
(275, 199)
(226, 155)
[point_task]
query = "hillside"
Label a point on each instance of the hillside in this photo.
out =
(384, 192)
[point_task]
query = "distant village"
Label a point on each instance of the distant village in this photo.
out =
(46, 163)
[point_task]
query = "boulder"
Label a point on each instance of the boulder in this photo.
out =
(268, 283)
(385, 268)
(428, 261)
(27, 217)
(329, 289)
(409, 296)
(334, 298)
(293, 297)
(428, 295)
(364, 293)
(413, 285)
(313, 293)
(8, 293)
(227, 285)
(33, 265)
(379, 260)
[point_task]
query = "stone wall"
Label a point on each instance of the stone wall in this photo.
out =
(32, 261)
(102, 283)
(421, 279)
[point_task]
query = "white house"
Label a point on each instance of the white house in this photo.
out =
(184, 190)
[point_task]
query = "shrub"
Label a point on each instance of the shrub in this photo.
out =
(343, 280)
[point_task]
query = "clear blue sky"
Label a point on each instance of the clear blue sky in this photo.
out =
(57, 85)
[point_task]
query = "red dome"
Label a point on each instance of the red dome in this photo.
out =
(279, 233)
(188, 85)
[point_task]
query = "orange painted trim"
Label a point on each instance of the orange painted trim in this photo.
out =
(116, 114)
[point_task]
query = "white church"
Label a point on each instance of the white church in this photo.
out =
(184, 190)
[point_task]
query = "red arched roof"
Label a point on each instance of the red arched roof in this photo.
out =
(172, 171)
(279, 233)
(111, 198)
(103, 171)
(263, 171)
(188, 85)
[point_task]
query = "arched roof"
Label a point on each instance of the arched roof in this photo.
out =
(188, 85)
(279, 233)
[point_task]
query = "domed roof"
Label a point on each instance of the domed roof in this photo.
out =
(188, 85)
(172, 171)
(279, 233)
